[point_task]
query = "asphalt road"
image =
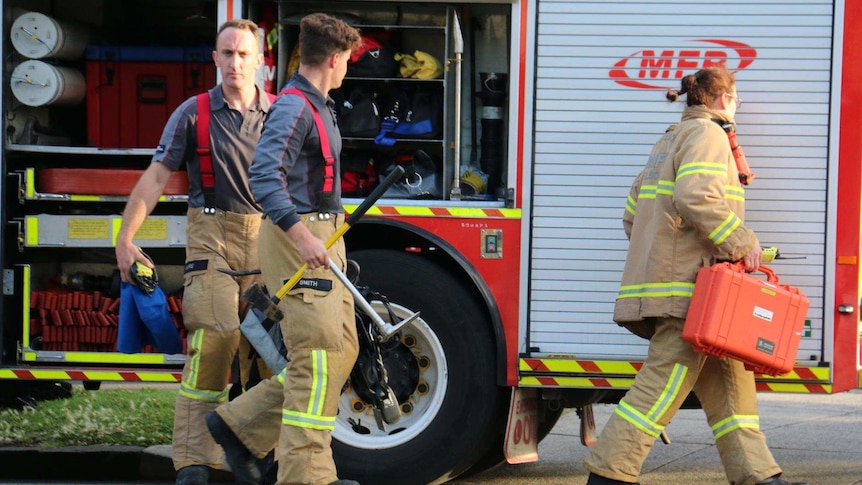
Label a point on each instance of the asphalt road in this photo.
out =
(815, 438)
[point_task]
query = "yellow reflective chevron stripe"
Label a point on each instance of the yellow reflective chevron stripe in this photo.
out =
(727, 425)
(657, 290)
(638, 420)
(725, 229)
(417, 211)
(734, 193)
(313, 417)
(708, 168)
(631, 205)
(669, 393)
(281, 376)
(665, 187)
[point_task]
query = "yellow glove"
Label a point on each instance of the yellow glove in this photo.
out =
(420, 65)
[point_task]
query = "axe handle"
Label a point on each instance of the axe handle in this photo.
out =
(354, 217)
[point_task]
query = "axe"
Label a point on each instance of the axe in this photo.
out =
(255, 294)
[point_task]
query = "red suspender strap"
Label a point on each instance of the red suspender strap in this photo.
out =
(205, 159)
(328, 171)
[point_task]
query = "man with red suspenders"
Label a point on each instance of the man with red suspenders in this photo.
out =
(295, 178)
(214, 135)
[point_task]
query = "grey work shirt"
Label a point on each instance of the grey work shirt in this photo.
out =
(287, 174)
(232, 143)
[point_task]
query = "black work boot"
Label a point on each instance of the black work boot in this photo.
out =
(600, 480)
(344, 482)
(193, 475)
(778, 481)
(242, 463)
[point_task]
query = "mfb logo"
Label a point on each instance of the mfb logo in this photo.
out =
(651, 69)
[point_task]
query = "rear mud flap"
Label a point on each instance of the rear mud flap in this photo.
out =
(588, 425)
(522, 439)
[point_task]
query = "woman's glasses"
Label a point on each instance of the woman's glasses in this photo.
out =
(735, 98)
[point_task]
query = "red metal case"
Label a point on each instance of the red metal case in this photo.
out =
(132, 90)
(738, 315)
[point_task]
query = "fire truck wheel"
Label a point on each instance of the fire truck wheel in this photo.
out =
(452, 410)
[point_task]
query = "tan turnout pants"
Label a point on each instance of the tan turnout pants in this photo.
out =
(297, 408)
(673, 369)
(212, 311)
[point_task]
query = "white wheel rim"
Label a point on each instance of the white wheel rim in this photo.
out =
(424, 406)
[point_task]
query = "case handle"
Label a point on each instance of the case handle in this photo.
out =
(771, 277)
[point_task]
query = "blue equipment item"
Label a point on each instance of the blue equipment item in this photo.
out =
(146, 320)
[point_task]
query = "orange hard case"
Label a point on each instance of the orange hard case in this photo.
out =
(738, 315)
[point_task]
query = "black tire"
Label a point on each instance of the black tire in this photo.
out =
(51, 390)
(449, 426)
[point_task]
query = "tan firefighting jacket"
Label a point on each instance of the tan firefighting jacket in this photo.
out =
(685, 211)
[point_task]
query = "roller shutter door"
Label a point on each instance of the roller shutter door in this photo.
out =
(602, 69)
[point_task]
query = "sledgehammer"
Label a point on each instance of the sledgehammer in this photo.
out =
(257, 297)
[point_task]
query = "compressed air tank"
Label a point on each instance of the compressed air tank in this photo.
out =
(38, 36)
(37, 83)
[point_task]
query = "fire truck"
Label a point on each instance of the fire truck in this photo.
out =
(510, 245)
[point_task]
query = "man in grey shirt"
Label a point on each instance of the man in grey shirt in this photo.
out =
(222, 232)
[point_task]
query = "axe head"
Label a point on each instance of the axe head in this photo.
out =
(257, 297)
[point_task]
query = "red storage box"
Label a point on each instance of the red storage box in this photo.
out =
(738, 315)
(131, 91)
(199, 70)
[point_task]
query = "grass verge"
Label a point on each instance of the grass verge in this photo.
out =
(139, 417)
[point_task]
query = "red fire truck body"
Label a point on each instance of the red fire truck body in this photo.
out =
(513, 255)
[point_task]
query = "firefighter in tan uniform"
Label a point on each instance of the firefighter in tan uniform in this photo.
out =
(685, 211)
(295, 177)
(223, 223)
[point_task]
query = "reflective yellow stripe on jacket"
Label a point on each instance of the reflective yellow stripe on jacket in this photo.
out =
(665, 187)
(631, 205)
(734, 193)
(649, 191)
(720, 233)
(657, 290)
(709, 168)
